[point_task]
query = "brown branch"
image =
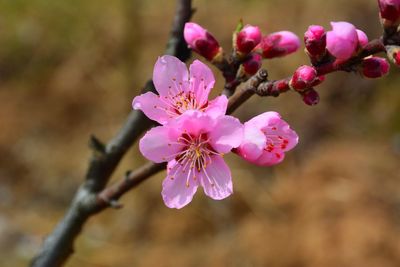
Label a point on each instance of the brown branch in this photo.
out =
(58, 246)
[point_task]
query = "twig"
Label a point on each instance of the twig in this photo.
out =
(58, 246)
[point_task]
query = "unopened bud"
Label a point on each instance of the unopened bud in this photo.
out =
(342, 41)
(248, 38)
(362, 38)
(279, 44)
(315, 40)
(303, 78)
(252, 64)
(310, 97)
(389, 11)
(375, 67)
(201, 41)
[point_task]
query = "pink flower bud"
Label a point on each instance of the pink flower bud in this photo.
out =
(200, 40)
(248, 38)
(253, 64)
(279, 44)
(315, 40)
(303, 78)
(310, 97)
(375, 67)
(389, 9)
(342, 41)
(362, 38)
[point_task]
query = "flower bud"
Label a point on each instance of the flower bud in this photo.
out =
(248, 38)
(201, 41)
(310, 97)
(342, 41)
(279, 44)
(252, 64)
(303, 78)
(389, 11)
(375, 67)
(362, 38)
(315, 40)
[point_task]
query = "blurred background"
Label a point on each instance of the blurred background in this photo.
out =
(69, 69)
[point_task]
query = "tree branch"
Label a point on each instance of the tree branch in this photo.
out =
(58, 246)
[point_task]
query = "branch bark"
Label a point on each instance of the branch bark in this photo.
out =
(58, 246)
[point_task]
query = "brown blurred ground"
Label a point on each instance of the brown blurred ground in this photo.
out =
(71, 68)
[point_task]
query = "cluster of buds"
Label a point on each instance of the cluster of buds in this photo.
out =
(303, 81)
(249, 46)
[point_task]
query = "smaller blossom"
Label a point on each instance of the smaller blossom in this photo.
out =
(389, 10)
(201, 41)
(362, 38)
(279, 44)
(315, 40)
(303, 78)
(252, 64)
(375, 67)
(310, 97)
(342, 40)
(179, 91)
(248, 38)
(193, 145)
(266, 139)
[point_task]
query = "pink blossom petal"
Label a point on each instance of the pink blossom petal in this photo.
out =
(177, 192)
(194, 122)
(269, 159)
(201, 81)
(283, 129)
(169, 74)
(342, 41)
(253, 144)
(217, 106)
(264, 119)
(152, 107)
(227, 134)
(216, 179)
(159, 144)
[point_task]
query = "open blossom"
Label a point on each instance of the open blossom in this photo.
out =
(342, 40)
(266, 139)
(179, 91)
(193, 145)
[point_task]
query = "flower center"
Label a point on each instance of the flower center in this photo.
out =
(195, 156)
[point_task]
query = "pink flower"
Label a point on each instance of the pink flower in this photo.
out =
(179, 91)
(375, 67)
(193, 145)
(389, 9)
(315, 40)
(362, 38)
(342, 41)
(303, 78)
(266, 139)
(200, 40)
(248, 38)
(279, 44)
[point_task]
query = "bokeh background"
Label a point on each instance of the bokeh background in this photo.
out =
(71, 68)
